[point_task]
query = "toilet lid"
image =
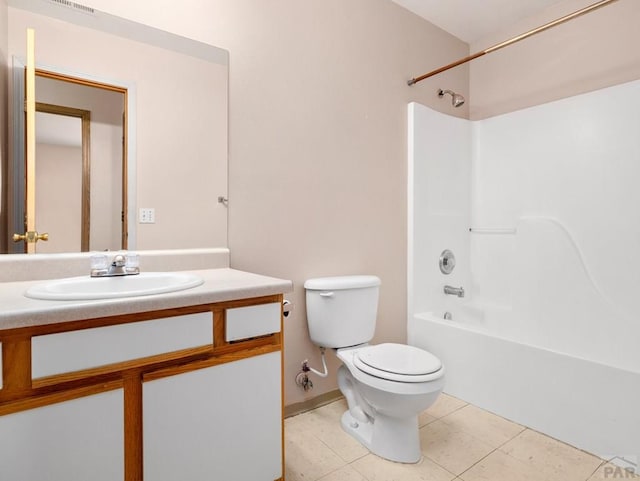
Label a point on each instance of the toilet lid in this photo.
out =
(397, 362)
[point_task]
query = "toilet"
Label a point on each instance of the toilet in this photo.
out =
(386, 385)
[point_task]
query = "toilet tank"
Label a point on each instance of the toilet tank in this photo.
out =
(341, 311)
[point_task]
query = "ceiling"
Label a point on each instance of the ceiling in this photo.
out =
(471, 20)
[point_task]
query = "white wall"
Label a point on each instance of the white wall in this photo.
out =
(440, 149)
(574, 160)
(565, 175)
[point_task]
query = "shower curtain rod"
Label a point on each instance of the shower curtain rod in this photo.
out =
(512, 40)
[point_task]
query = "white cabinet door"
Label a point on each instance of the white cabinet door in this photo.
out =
(217, 423)
(75, 440)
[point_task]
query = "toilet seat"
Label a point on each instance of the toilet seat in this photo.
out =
(398, 362)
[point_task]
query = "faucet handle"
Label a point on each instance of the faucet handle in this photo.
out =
(119, 260)
(99, 265)
(133, 263)
(133, 259)
(99, 261)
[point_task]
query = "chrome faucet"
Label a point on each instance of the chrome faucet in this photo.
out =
(454, 291)
(121, 265)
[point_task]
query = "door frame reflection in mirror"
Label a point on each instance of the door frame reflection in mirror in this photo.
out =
(17, 211)
(85, 190)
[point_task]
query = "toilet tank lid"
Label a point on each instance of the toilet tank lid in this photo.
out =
(341, 282)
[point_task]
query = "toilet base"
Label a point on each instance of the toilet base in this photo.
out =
(390, 438)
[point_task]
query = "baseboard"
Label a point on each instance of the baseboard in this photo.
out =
(313, 403)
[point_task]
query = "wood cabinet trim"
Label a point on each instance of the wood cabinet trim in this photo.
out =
(118, 369)
(24, 404)
(80, 325)
(133, 445)
(16, 364)
(209, 362)
(280, 341)
(219, 323)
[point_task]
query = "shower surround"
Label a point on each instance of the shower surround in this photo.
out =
(540, 207)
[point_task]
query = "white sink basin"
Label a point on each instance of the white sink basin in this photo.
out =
(85, 288)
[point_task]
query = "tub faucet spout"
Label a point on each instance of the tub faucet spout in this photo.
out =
(454, 291)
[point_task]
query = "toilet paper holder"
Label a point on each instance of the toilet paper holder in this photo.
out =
(287, 307)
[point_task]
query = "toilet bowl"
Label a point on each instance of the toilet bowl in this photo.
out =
(386, 385)
(384, 404)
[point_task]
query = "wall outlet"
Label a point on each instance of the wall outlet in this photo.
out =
(147, 216)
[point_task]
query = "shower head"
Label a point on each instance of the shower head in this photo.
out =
(456, 99)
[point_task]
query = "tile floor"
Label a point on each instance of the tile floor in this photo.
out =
(459, 442)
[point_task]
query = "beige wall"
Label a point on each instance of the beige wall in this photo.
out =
(318, 177)
(59, 199)
(317, 118)
(593, 51)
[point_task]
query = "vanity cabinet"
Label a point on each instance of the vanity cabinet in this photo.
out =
(189, 393)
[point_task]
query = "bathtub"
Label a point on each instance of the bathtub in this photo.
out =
(587, 404)
(548, 333)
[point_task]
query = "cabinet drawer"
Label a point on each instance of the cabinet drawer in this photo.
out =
(0, 365)
(252, 321)
(77, 350)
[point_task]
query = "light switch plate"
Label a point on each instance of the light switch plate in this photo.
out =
(147, 216)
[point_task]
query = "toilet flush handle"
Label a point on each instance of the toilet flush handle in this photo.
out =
(326, 294)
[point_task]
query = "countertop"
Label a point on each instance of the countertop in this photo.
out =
(17, 311)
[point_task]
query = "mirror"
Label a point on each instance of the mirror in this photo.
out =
(175, 154)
